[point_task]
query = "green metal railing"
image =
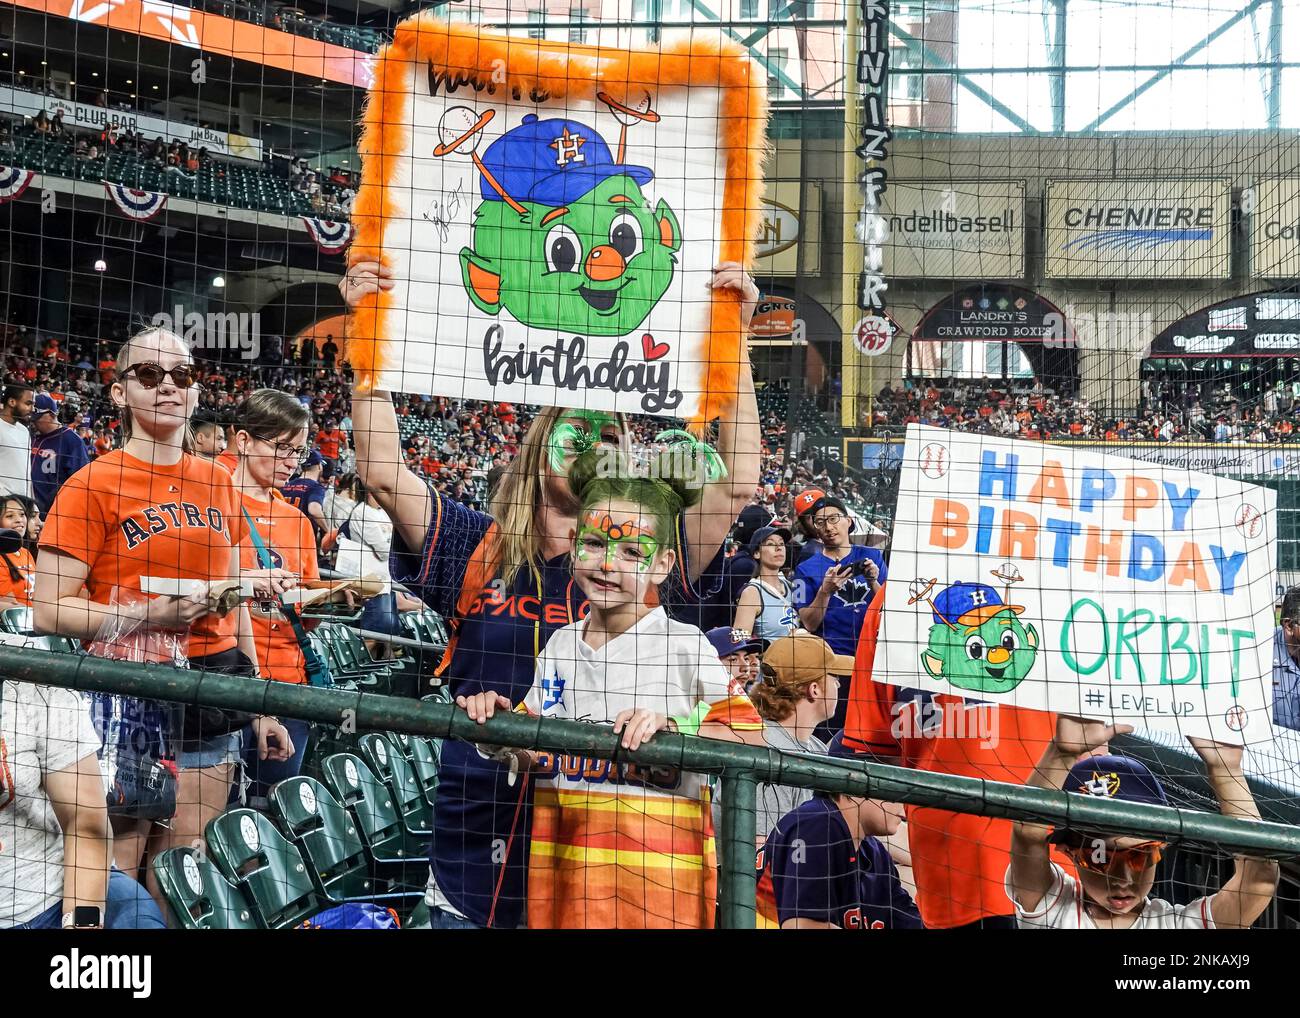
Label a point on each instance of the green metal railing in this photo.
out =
(741, 767)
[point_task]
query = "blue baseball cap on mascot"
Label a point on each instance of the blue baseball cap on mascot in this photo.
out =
(970, 604)
(552, 162)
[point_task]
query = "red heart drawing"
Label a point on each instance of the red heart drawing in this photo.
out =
(651, 350)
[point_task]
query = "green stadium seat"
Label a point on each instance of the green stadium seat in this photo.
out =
(390, 765)
(198, 897)
(371, 804)
(425, 754)
(327, 836)
(255, 856)
(16, 620)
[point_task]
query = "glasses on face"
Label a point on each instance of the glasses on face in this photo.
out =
(1112, 861)
(286, 450)
(829, 520)
(151, 375)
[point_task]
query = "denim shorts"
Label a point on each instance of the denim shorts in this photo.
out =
(221, 749)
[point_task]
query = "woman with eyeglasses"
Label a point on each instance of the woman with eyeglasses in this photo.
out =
(270, 442)
(150, 509)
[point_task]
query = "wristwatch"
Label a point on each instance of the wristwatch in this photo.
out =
(83, 917)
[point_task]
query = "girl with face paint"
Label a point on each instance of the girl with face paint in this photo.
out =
(629, 665)
(504, 582)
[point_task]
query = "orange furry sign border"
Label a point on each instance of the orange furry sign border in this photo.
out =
(552, 214)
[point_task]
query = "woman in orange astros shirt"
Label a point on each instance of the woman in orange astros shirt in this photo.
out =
(150, 509)
(17, 568)
(270, 442)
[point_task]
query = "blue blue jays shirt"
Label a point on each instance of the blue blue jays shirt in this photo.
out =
(55, 458)
(847, 607)
(302, 492)
(810, 869)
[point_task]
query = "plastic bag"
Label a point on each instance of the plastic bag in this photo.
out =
(353, 916)
(137, 735)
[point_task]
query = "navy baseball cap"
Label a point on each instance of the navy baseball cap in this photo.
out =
(727, 641)
(970, 604)
(313, 459)
(763, 533)
(1116, 777)
(750, 519)
(552, 162)
(44, 404)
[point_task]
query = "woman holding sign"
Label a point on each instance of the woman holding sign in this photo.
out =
(505, 581)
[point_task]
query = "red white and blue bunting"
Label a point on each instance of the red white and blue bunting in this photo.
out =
(13, 182)
(331, 238)
(141, 205)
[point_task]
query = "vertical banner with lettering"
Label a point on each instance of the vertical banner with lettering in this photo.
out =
(873, 149)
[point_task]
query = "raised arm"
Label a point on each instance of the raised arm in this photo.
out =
(739, 442)
(380, 463)
(1030, 874)
(1253, 883)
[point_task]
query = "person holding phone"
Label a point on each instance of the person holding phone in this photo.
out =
(834, 587)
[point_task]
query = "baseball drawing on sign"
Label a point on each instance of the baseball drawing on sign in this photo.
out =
(977, 642)
(1249, 521)
(564, 237)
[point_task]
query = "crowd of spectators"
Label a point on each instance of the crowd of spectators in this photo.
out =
(1167, 413)
(330, 190)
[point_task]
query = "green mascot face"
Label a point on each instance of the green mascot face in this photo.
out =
(595, 266)
(991, 657)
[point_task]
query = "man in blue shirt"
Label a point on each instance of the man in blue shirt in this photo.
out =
(306, 494)
(833, 589)
(57, 452)
(1286, 663)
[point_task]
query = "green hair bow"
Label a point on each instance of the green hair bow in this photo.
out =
(714, 468)
(567, 437)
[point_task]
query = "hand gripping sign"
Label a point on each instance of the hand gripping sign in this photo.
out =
(1075, 581)
(553, 213)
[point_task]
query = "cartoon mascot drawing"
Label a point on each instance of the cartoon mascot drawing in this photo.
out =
(977, 642)
(564, 238)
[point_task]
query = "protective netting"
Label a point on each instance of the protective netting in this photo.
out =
(1019, 328)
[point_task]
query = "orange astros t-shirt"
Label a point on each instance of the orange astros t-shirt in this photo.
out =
(228, 461)
(329, 442)
(126, 519)
(291, 541)
(959, 860)
(19, 589)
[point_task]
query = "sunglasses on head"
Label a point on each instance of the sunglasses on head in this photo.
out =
(151, 375)
(1108, 860)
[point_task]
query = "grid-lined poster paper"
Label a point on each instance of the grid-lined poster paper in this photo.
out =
(1080, 582)
(553, 240)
